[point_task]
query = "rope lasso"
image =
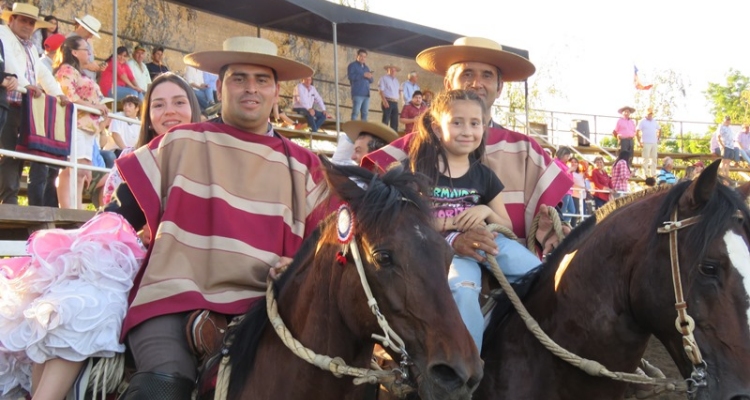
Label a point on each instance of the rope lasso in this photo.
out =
(590, 367)
(557, 229)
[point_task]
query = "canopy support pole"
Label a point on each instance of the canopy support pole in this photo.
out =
(336, 77)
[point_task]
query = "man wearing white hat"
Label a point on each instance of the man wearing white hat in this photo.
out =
(367, 137)
(88, 27)
(225, 201)
(532, 180)
(21, 60)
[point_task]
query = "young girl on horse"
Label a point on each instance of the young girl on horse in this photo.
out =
(448, 148)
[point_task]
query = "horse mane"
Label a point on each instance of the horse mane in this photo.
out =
(375, 209)
(615, 204)
(719, 211)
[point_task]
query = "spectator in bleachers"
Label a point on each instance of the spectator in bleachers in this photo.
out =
(8, 83)
(204, 94)
(40, 35)
(126, 85)
(360, 78)
(689, 174)
(427, 97)
(666, 173)
(88, 27)
(139, 68)
(51, 45)
(699, 167)
(22, 61)
(124, 134)
(562, 156)
(411, 111)
(279, 117)
(601, 183)
(648, 135)
(726, 138)
(169, 101)
(305, 98)
(621, 174)
(743, 143)
(409, 87)
(367, 137)
(157, 66)
(210, 80)
(82, 91)
(578, 191)
(390, 91)
(624, 131)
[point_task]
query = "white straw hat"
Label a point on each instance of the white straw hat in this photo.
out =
(91, 24)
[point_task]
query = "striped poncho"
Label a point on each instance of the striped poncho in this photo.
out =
(222, 208)
(527, 172)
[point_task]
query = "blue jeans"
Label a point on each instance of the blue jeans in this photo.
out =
(205, 97)
(360, 104)
(740, 153)
(313, 121)
(568, 207)
(465, 281)
(390, 115)
(123, 91)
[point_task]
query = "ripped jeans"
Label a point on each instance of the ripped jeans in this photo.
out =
(465, 281)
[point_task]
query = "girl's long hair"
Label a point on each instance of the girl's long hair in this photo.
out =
(426, 149)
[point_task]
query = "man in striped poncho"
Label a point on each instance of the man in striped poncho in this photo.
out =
(532, 181)
(224, 201)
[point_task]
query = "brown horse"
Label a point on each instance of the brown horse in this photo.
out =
(324, 306)
(617, 291)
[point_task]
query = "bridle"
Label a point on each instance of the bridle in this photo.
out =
(684, 322)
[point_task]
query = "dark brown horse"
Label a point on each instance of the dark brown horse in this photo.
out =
(617, 291)
(323, 303)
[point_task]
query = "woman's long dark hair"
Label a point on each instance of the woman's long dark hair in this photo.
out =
(45, 33)
(426, 148)
(65, 55)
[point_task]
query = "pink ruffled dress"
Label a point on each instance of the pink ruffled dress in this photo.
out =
(68, 298)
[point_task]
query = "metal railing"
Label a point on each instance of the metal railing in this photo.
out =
(73, 149)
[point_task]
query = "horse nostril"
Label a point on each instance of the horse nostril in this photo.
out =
(740, 397)
(447, 377)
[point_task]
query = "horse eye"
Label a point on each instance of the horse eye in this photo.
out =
(383, 258)
(708, 269)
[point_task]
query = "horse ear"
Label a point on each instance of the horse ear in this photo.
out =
(339, 181)
(702, 188)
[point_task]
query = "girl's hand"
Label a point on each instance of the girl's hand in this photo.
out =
(472, 217)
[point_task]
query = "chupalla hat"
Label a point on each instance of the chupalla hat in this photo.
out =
(475, 49)
(249, 50)
(91, 24)
(29, 11)
(354, 128)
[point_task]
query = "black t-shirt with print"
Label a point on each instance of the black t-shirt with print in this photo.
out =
(451, 196)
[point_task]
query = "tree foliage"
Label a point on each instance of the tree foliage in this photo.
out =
(360, 4)
(731, 98)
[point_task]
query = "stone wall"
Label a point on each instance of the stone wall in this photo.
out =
(181, 30)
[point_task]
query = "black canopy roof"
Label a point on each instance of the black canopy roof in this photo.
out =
(313, 18)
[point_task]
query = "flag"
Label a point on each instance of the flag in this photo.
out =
(637, 81)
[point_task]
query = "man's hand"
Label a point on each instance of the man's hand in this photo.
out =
(385, 104)
(468, 244)
(35, 91)
(368, 75)
(280, 267)
(63, 100)
(10, 83)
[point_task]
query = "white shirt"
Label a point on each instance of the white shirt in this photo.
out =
(15, 63)
(193, 76)
(649, 131)
(128, 132)
(140, 72)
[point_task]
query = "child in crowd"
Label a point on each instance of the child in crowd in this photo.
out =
(448, 148)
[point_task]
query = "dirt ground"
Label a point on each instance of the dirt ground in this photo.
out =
(658, 356)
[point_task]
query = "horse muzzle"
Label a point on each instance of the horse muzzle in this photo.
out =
(449, 382)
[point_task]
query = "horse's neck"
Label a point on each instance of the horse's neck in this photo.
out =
(586, 304)
(311, 313)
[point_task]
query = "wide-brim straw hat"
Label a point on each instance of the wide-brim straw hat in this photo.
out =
(632, 110)
(249, 50)
(29, 11)
(396, 67)
(91, 24)
(513, 67)
(377, 129)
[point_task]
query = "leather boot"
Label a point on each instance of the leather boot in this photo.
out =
(156, 385)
